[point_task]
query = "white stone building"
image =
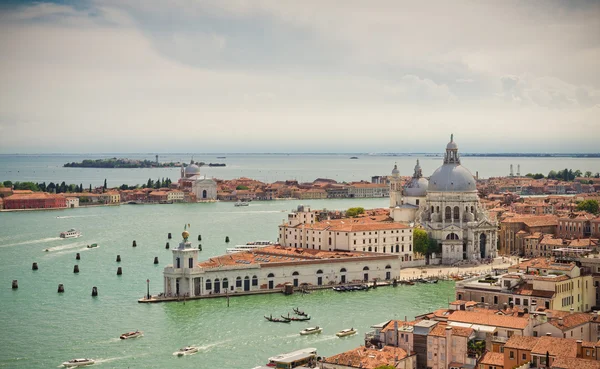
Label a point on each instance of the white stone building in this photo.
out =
(270, 268)
(204, 188)
(447, 207)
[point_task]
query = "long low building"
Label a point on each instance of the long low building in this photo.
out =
(270, 268)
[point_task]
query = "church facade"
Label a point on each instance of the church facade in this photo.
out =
(447, 207)
(204, 188)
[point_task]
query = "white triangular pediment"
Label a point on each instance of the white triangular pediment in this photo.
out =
(452, 227)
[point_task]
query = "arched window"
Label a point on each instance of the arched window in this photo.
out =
(225, 283)
(452, 236)
(417, 201)
(397, 248)
(384, 249)
(456, 213)
(319, 271)
(343, 270)
(254, 280)
(459, 296)
(295, 273)
(366, 268)
(204, 194)
(271, 275)
(208, 284)
(370, 248)
(178, 263)
(448, 213)
(238, 282)
(432, 208)
(388, 267)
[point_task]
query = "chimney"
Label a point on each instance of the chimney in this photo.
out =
(560, 321)
(548, 314)
(579, 351)
(595, 314)
(533, 306)
(571, 310)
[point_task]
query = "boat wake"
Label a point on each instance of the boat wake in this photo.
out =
(75, 216)
(31, 242)
(101, 361)
(64, 247)
(321, 338)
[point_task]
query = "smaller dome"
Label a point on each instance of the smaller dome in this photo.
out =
(416, 187)
(395, 170)
(452, 145)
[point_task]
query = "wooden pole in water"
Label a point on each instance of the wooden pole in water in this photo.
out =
(77, 257)
(34, 266)
(156, 260)
(118, 258)
(15, 284)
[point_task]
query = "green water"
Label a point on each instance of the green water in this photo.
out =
(41, 328)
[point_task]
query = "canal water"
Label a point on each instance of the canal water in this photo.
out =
(42, 328)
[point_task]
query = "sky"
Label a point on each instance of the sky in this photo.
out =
(95, 76)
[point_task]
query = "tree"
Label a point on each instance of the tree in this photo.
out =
(588, 174)
(552, 174)
(591, 206)
(386, 367)
(7, 184)
(150, 183)
(104, 187)
(433, 246)
(576, 174)
(354, 212)
(90, 187)
(80, 187)
(51, 187)
(420, 241)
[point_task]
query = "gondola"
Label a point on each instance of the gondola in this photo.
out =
(277, 320)
(297, 319)
(298, 312)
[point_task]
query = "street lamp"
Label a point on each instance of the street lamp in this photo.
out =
(148, 288)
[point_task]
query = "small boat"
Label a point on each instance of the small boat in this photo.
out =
(77, 362)
(298, 312)
(128, 335)
(313, 330)
(47, 250)
(296, 319)
(354, 157)
(340, 289)
(187, 350)
(277, 320)
(346, 332)
(71, 233)
(241, 203)
(92, 246)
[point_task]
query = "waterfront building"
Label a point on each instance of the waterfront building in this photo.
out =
(447, 206)
(72, 201)
(376, 234)
(576, 225)
(514, 230)
(538, 282)
(38, 200)
(191, 181)
(365, 189)
(175, 196)
(268, 269)
(370, 358)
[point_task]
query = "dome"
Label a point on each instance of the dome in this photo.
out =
(416, 187)
(185, 235)
(395, 170)
(452, 178)
(451, 146)
(192, 170)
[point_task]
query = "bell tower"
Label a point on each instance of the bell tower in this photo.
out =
(395, 188)
(185, 256)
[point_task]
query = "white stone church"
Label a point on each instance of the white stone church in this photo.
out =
(447, 207)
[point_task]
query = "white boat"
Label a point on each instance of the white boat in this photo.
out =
(77, 362)
(188, 350)
(129, 335)
(346, 332)
(248, 247)
(312, 330)
(293, 359)
(242, 203)
(71, 233)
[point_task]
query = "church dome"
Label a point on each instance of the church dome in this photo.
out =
(192, 170)
(451, 176)
(416, 187)
(395, 171)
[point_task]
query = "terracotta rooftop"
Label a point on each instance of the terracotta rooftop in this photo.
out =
(575, 363)
(493, 358)
(557, 347)
(521, 342)
(473, 317)
(570, 321)
(368, 358)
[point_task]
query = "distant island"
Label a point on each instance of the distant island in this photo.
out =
(131, 163)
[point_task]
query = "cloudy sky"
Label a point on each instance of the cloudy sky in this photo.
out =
(299, 76)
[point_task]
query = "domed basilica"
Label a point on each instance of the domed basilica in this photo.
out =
(447, 207)
(204, 188)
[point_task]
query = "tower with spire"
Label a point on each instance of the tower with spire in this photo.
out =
(395, 188)
(185, 258)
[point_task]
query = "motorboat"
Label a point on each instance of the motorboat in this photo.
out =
(92, 246)
(312, 330)
(346, 332)
(71, 233)
(128, 335)
(241, 203)
(187, 350)
(77, 362)
(250, 246)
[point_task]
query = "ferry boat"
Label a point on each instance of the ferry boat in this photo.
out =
(242, 203)
(248, 247)
(71, 233)
(312, 330)
(294, 359)
(188, 350)
(129, 335)
(346, 332)
(92, 246)
(77, 362)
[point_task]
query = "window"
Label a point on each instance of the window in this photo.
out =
(524, 356)
(208, 284)
(191, 263)
(254, 280)
(271, 275)
(238, 282)
(511, 355)
(225, 283)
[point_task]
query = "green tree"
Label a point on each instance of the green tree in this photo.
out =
(420, 241)
(80, 187)
(386, 367)
(7, 184)
(576, 174)
(150, 183)
(552, 174)
(90, 187)
(104, 187)
(51, 187)
(1, 185)
(588, 174)
(354, 212)
(124, 187)
(591, 206)
(433, 246)
(241, 187)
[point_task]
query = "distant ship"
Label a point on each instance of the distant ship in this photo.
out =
(354, 157)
